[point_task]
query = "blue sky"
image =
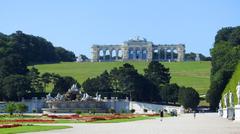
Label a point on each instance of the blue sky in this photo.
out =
(77, 24)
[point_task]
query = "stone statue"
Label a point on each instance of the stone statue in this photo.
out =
(226, 100)
(231, 99)
(73, 88)
(49, 97)
(85, 97)
(59, 97)
(220, 105)
(238, 92)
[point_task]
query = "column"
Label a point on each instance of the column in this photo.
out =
(110, 55)
(171, 54)
(95, 55)
(104, 55)
(165, 54)
(141, 54)
(125, 53)
(149, 53)
(116, 58)
(134, 54)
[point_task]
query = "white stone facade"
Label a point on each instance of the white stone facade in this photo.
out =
(138, 49)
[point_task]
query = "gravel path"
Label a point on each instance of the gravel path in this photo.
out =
(208, 123)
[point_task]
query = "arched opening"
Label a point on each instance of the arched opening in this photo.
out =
(175, 55)
(138, 53)
(130, 53)
(144, 54)
(120, 54)
(155, 54)
(101, 55)
(168, 54)
(107, 55)
(162, 54)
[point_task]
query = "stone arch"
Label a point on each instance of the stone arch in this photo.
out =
(168, 51)
(101, 54)
(138, 53)
(113, 54)
(131, 53)
(155, 54)
(119, 54)
(144, 53)
(161, 54)
(175, 54)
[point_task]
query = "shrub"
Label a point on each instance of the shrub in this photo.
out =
(145, 110)
(10, 108)
(21, 108)
(188, 97)
(78, 112)
(111, 110)
(123, 111)
(34, 110)
(132, 111)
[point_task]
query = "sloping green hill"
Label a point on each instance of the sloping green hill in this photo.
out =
(192, 74)
(231, 86)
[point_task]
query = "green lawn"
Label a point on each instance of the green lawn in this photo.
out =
(24, 129)
(192, 74)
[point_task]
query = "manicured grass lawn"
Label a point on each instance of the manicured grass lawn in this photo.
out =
(190, 74)
(24, 129)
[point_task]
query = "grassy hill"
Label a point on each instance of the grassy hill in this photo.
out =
(192, 74)
(231, 86)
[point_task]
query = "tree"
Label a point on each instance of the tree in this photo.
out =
(15, 87)
(46, 79)
(100, 84)
(64, 55)
(169, 93)
(33, 49)
(126, 81)
(225, 56)
(62, 84)
(10, 108)
(36, 81)
(21, 108)
(157, 73)
(188, 97)
(12, 64)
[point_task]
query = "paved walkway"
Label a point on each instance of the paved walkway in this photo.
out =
(185, 124)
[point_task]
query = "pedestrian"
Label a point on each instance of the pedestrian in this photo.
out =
(161, 115)
(194, 114)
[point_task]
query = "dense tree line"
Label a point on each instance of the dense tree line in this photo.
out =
(192, 56)
(19, 50)
(153, 86)
(225, 56)
(33, 49)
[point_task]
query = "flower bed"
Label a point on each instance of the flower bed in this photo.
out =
(9, 125)
(91, 118)
(74, 116)
(105, 117)
(29, 120)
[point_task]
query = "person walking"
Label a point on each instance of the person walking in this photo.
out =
(161, 115)
(194, 114)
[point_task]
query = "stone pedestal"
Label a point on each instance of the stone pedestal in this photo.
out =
(237, 112)
(228, 113)
(225, 114)
(220, 112)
